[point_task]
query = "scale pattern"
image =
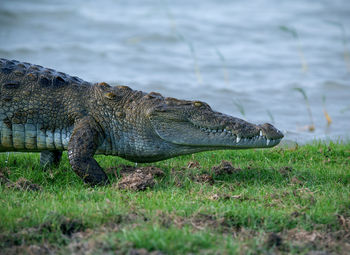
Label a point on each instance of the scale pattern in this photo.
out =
(42, 110)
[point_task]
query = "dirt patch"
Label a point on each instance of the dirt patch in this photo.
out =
(66, 225)
(143, 252)
(80, 246)
(337, 242)
(296, 181)
(124, 170)
(23, 184)
(203, 178)
(31, 249)
(3, 179)
(216, 196)
(202, 221)
(344, 222)
(199, 221)
(285, 171)
(273, 239)
(225, 167)
(135, 178)
(155, 171)
(136, 181)
(30, 240)
(92, 241)
(193, 164)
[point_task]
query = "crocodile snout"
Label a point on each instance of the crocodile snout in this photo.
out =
(270, 131)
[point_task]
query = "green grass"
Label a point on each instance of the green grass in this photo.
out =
(276, 192)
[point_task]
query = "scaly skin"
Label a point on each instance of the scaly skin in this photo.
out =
(45, 111)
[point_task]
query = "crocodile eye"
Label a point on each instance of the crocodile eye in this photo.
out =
(104, 84)
(110, 95)
(197, 104)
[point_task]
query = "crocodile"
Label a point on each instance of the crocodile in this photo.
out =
(42, 110)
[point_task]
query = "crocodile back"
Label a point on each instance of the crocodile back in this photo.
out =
(38, 106)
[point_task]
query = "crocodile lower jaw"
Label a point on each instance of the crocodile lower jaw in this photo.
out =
(255, 141)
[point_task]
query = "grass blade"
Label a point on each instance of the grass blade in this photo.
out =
(311, 127)
(239, 106)
(325, 112)
(294, 33)
(224, 66)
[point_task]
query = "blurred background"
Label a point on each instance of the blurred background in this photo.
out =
(283, 62)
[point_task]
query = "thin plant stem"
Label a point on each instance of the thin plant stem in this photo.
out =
(294, 33)
(240, 107)
(312, 125)
(325, 112)
(344, 36)
(224, 66)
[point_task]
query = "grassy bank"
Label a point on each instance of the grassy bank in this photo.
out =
(282, 200)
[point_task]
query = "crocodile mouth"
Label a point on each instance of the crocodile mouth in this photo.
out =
(258, 140)
(190, 134)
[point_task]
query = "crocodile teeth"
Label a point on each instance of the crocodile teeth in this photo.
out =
(238, 139)
(267, 141)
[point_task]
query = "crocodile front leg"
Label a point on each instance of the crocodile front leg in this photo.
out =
(81, 149)
(48, 158)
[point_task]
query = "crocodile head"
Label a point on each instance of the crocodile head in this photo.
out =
(149, 127)
(194, 124)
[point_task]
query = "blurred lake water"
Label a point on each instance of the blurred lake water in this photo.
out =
(244, 58)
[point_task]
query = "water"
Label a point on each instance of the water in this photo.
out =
(226, 53)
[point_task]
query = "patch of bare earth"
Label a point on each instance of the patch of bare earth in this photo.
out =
(199, 221)
(335, 242)
(20, 184)
(141, 178)
(225, 167)
(29, 249)
(3, 178)
(92, 241)
(193, 164)
(136, 181)
(23, 184)
(25, 240)
(285, 171)
(218, 196)
(143, 252)
(135, 178)
(124, 170)
(82, 240)
(203, 178)
(315, 242)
